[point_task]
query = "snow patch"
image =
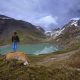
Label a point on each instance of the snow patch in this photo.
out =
(54, 34)
(75, 23)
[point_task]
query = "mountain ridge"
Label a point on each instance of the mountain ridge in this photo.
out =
(26, 31)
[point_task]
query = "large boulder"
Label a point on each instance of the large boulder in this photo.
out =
(20, 56)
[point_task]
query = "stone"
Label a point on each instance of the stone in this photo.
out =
(20, 56)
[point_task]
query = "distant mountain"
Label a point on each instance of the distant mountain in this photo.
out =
(26, 31)
(70, 30)
(5, 17)
(69, 34)
(54, 33)
(40, 29)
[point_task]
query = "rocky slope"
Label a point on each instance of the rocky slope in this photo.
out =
(70, 30)
(69, 34)
(26, 31)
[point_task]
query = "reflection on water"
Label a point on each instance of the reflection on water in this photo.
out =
(46, 50)
(42, 48)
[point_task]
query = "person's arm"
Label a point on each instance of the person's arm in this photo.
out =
(18, 39)
(12, 38)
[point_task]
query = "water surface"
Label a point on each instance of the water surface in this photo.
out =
(43, 48)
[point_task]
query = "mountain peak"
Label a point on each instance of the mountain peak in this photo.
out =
(75, 22)
(4, 17)
(75, 19)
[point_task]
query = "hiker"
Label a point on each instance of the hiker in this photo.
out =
(15, 41)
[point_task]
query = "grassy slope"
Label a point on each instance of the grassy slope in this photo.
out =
(26, 37)
(63, 69)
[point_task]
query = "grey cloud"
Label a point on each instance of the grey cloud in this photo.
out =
(34, 10)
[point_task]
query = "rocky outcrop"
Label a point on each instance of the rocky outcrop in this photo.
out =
(20, 56)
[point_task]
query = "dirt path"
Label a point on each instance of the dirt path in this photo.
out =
(58, 57)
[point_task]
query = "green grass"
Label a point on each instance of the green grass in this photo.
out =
(26, 36)
(71, 47)
(16, 71)
(74, 60)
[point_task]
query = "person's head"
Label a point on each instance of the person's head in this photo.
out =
(15, 33)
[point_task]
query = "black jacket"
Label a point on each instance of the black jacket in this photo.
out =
(15, 38)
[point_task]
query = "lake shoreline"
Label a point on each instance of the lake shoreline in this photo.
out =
(44, 48)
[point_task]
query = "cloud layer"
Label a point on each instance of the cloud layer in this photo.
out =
(41, 12)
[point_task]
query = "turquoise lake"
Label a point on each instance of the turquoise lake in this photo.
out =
(43, 48)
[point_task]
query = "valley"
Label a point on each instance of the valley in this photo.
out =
(63, 64)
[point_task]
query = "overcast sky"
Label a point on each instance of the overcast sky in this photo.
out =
(46, 13)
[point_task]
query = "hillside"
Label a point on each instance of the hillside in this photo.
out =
(67, 36)
(27, 32)
(43, 67)
(70, 35)
(70, 30)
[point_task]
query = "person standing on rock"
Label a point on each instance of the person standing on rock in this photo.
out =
(15, 41)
